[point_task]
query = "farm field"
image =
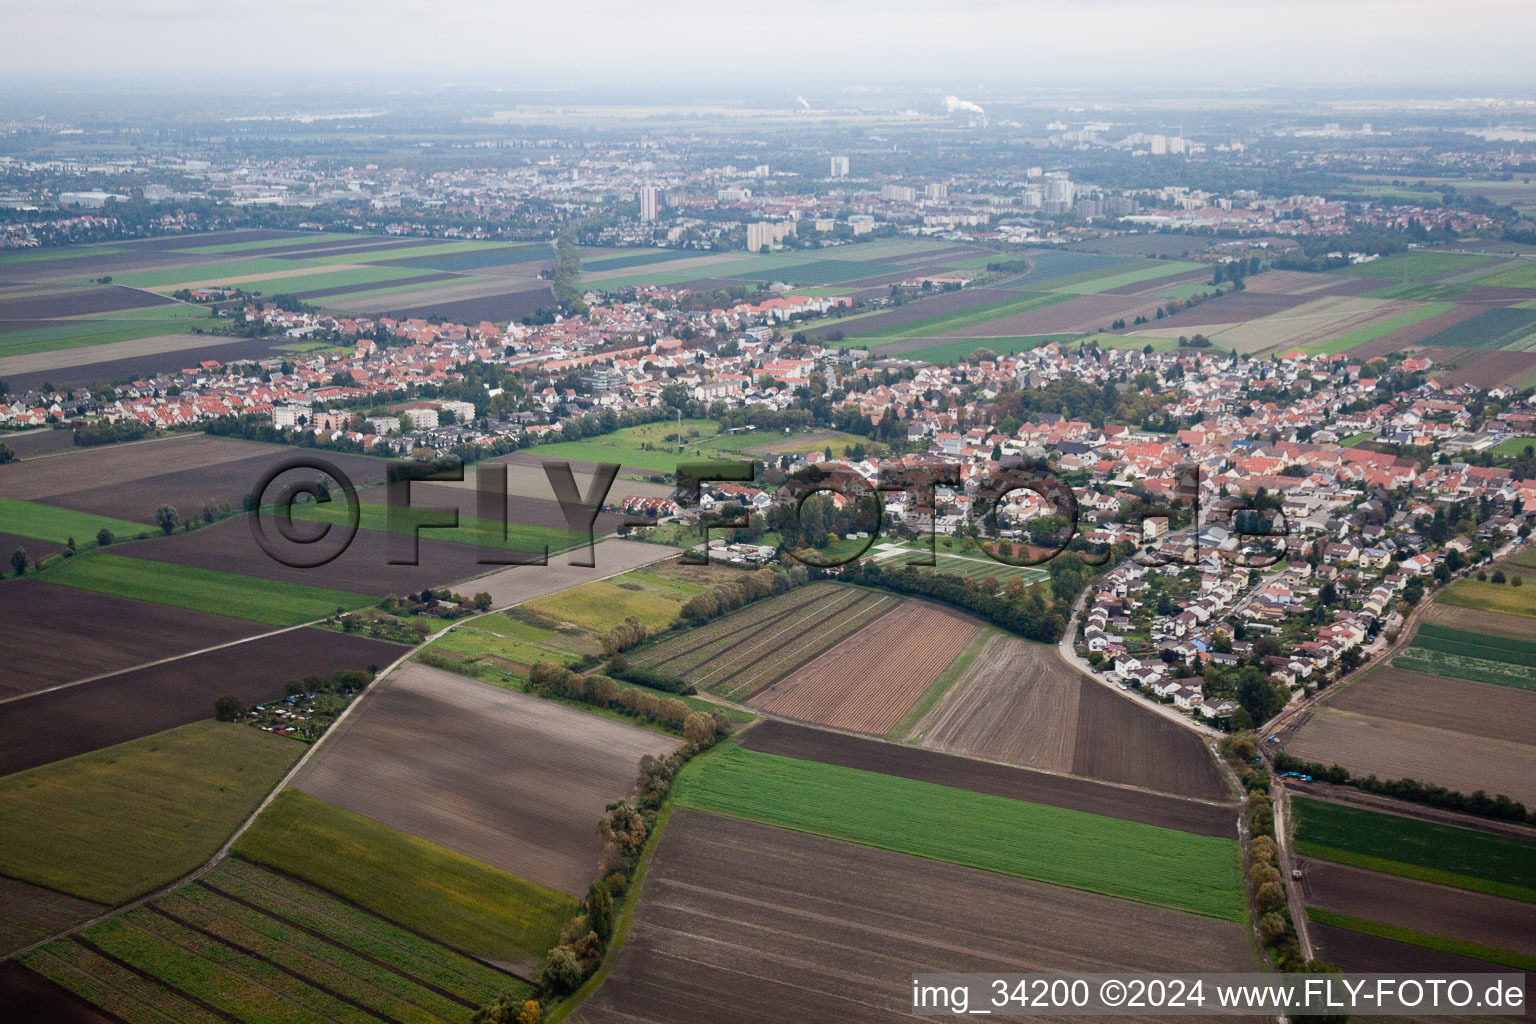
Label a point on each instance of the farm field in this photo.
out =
(1362, 952)
(1397, 749)
(1421, 907)
(1085, 851)
(868, 681)
(29, 913)
(60, 634)
(1417, 266)
(1500, 327)
(1443, 854)
(740, 654)
(1382, 328)
(186, 471)
(509, 536)
(602, 604)
(651, 447)
(505, 778)
(1473, 709)
(1020, 705)
(1490, 597)
(510, 640)
(1517, 627)
(730, 918)
(279, 951)
(521, 583)
(975, 566)
(1311, 323)
(429, 889)
(115, 824)
(44, 727)
(1478, 657)
(58, 525)
(186, 586)
(954, 351)
(808, 744)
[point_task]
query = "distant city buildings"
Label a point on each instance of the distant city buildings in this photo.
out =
(650, 199)
(839, 167)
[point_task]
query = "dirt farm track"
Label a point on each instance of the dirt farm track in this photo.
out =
(732, 928)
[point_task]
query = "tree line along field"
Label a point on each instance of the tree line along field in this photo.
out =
(740, 654)
(731, 925)
(1084, 851)
(868, 681)
(249, 945)
(1463, 858)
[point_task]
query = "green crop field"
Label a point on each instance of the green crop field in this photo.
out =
(1071, 848)
(974, 566)
(1416, 266)
(1521, 276)
(116, 823)
(650, 446)
(1490, 597)
(182, 586)
(602, 604)
(45, 522)
(406, 293)
(68, 252)
(1448, 651)
(1380, 330)
(422, 886)
(1490, 329)
(955, 351)
(943, 323)
(373, 516)
(102, 330)
(1431, 852)
(1099, 281)
(295, 242)
(1459, 947)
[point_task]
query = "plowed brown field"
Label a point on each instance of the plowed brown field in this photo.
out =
(867, 682)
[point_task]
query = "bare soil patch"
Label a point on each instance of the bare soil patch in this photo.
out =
(74, 720)
(1394, 749)
(1479, 368)
(1517, 627)
(1016, 703)
(1420, 906)
(868, 681)
(1460, 705)
(1120, 742)
(30, 912)
(741, 922)
(28, 996)
(59, 634)
(58, 305)
(503, 777)
(1076, 794)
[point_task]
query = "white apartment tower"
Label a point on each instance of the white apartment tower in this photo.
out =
(650, 199)
(839, 167)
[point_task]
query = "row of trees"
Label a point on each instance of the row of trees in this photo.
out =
(1022, 610)
(548, 680)
(1479, 803)
(752, 586)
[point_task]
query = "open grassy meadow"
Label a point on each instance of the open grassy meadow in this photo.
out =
(114, 824)
(1051, 844)
(184, 586)
(602, 604)
(1491, 597)
(420, 885)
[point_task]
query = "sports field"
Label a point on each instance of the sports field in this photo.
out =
(1051, 844)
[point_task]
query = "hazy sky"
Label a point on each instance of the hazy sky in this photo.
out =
(1082, 42)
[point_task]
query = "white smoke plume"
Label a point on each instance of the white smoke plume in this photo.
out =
(804, 104)
(954, 103)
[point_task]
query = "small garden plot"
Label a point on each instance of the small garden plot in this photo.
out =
(1444, 650)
